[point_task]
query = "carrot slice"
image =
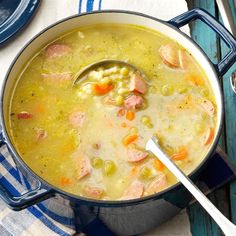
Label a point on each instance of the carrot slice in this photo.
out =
(39, 108)
(68, 147)
(209, 136)
(124, 125)
(121, 112)
(102, 89)
(64, 181)
(130, 115)
(134, 171)
(129, 139)
(195, 79)
(158, 165)
(180, 155)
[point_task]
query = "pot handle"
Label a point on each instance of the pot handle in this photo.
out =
(26, 199)
(205, 17)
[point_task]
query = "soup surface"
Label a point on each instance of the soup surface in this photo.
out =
(89, 139)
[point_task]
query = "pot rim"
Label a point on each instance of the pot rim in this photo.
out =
(89, 201)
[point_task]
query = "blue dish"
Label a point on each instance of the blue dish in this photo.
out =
(14, 15)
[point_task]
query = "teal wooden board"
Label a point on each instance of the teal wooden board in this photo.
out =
(230, 119)
(201, 223)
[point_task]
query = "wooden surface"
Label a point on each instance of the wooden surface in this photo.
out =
(224, 198)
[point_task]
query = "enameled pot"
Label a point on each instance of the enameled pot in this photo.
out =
(115, 217)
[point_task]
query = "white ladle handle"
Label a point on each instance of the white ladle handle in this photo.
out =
(226, 226)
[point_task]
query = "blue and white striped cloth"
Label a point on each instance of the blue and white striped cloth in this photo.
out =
(34, 221)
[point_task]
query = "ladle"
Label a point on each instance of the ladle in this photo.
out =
(226, 226)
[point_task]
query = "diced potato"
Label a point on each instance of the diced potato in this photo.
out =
(97, 75)
(105, 80)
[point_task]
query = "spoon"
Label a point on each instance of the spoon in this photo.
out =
(226, 226)
(83, 74)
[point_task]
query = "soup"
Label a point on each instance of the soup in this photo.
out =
(89, 138)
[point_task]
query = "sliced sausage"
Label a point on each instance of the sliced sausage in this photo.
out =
(133, 102)
(76, 119)
(135, 155)
(83, 167)
(170, 55)
(134, 191)
(55, 77)
(24, 115)
(41, 134)
(56, 50)
(93, 192)
(137, 83)
(208, 107)
(157, 184)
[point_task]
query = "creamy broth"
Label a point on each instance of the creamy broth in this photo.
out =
(89, 139)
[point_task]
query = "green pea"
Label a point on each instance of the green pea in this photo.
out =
(133, 130)
(167, 90)
(147, 121)
(204, 92)
(149, 125)
(122, 91)
(109, 167)
(182, 90)
(119, 100)
(124, 71)
(97, 162)
(145, 173)
(105, 80)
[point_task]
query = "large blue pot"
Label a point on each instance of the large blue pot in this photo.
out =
(116, 217)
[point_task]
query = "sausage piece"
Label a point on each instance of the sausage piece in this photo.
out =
(41, 134)
(83, 167)
(134, 191)
(135, 155)
(170, 55)
(157, 184)
(133, 102)
(138, 84)
(56, 50)
(24, 115)
(93, 192)
(55, 77)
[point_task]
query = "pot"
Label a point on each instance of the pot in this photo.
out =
(115, 217)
